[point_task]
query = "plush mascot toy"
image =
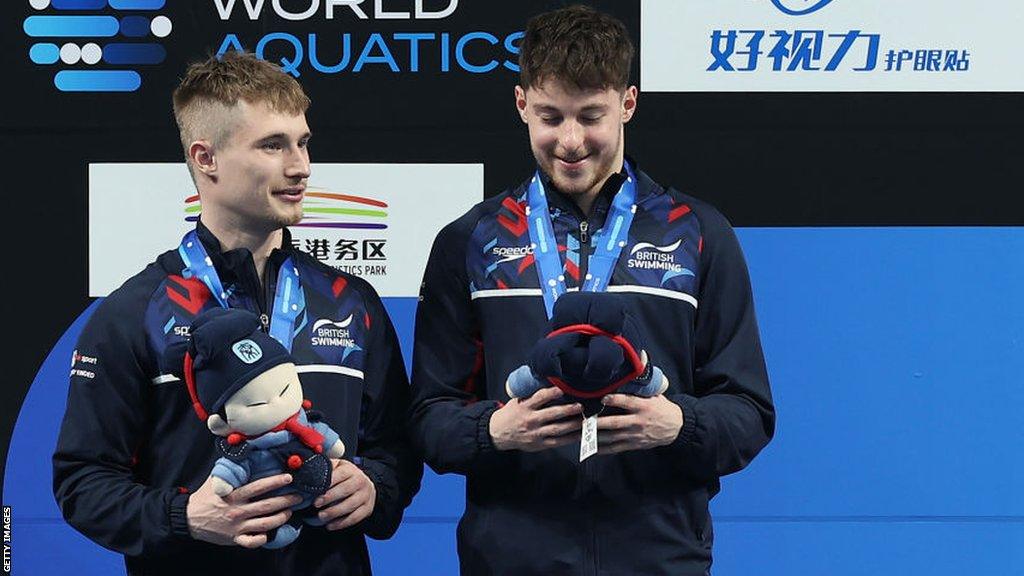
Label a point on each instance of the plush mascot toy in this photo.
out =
(244, 387)
(594, 348)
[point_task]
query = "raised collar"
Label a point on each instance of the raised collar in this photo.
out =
(565, 202)
(645, 188)
(234, 264)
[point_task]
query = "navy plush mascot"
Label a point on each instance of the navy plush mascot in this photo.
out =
(594, 348)
(243, 385)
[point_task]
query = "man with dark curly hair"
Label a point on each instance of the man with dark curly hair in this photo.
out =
(636, 502)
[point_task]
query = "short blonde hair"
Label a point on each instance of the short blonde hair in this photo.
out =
(206, 99)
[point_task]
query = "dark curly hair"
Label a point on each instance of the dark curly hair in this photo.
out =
(577, 45)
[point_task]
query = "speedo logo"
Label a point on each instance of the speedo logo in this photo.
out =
(647, 256)
(327, 332)
(511, 253)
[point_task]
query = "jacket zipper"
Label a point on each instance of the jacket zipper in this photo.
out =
(268, 295)
(262, 292)
(586, 476)
(584, 251)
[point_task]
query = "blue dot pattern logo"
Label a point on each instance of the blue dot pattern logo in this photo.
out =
(97, 44)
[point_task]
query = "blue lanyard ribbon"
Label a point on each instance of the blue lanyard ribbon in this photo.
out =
(289, 300)
(608, 241)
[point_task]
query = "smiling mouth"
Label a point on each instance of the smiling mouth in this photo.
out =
(573, 163)
(291, 193)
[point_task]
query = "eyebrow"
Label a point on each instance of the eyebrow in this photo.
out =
(541, 108)
(283, 136)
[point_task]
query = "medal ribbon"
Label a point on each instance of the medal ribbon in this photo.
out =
(608, 241)
(289, 301)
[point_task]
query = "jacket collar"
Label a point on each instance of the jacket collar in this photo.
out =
(645, 187)
(236, 264)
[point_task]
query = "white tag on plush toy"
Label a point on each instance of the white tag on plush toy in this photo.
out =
(588, 441)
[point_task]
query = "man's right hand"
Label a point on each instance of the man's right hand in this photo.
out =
(527, 425)
(236, 518)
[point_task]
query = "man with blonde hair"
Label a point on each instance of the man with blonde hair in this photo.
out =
(132, 465)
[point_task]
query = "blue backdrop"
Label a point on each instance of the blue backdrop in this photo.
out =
(895, 356)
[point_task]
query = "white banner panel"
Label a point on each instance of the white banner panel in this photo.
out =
(830, 46)
(376, 221)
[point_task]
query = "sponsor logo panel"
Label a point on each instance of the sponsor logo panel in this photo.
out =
(376, 221)
(829, 45)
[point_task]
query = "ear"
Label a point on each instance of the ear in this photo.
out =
(217, 425)
(521, 102)
(200, 153)
(629, 98)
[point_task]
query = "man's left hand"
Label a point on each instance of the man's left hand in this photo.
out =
(647, 423)
(349, 500)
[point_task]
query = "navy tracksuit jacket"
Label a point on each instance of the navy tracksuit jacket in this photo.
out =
(131, 447)
(481, 310)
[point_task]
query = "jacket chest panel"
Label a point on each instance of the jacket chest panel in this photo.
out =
(662, 252)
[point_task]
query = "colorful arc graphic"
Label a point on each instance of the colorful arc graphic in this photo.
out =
(323, 210)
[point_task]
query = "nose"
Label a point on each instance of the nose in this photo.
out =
(571, 137)
(298, 163)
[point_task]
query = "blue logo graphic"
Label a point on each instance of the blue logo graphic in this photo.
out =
(814, 6)
(97, 48)
(247, 351)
